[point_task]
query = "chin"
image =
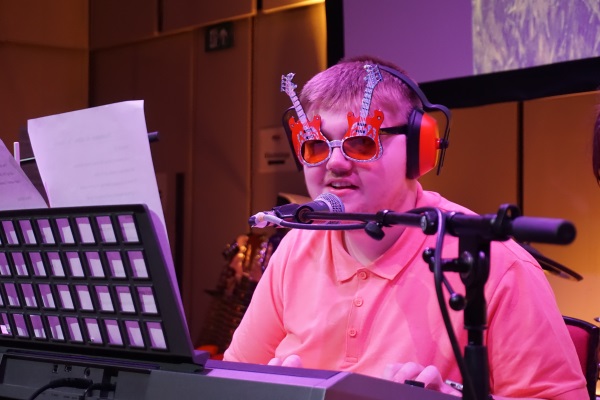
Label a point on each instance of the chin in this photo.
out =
(351, 207)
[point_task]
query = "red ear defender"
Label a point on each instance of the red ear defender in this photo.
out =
(424, 148)
(423, 144)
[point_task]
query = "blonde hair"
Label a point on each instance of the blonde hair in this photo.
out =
(341, 88)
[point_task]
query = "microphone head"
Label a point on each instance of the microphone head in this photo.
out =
(325, 202)
(333, 202)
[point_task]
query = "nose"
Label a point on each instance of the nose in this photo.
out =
(337, 161)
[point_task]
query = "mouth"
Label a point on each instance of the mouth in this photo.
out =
(340, 185)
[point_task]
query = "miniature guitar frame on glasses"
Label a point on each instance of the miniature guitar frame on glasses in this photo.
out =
(361, 141)
(303, 129)
(366, 125)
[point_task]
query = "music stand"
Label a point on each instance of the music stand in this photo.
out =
(85, 294)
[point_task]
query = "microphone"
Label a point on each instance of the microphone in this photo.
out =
(297, 212)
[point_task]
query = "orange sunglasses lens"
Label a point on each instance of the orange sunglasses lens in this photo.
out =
(315, 151)
(361, 148)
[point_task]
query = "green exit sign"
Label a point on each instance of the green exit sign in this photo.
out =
(219, 37)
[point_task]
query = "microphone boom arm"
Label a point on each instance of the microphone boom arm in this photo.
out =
(506, 223)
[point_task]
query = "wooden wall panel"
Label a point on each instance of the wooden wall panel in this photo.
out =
(113, 74)
(558, 183)
(289, 41)
(159, 72)
(277, 5)
(480, 168)
(43, 61)
(60, 23)
(186, 14)
(114, 22)
(39, 81)
(220, 161)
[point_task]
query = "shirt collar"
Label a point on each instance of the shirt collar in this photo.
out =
(403, 252)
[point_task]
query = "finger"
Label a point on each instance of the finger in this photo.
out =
(275, 361)
(292, 361)
(455, 388)
(390, 370)
(432, 379)
(409, 371)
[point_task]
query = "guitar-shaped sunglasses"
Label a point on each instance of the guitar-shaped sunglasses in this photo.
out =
(361, 142)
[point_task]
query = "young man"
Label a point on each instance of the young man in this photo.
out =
(341, 300)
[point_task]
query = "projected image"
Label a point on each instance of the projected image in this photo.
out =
(514, 34)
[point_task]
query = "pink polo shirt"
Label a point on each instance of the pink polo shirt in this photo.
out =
(316, 301)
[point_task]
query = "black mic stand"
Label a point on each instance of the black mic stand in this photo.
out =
(473, 264)
(475, 234)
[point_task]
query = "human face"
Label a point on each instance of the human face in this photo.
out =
(364, 186)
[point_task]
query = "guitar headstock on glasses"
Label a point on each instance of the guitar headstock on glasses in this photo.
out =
(287, 86)
(303, 129)
(373, 75)
(366, 125)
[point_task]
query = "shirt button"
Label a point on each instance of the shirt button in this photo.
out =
(352, 332)
(362, 275)
(358, 301)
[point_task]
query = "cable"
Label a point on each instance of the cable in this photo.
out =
(78, 383)
(98, 386)
(439, 279)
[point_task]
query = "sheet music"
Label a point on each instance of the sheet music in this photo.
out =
(16, 190)
(99, 156)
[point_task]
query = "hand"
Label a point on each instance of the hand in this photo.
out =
(430, 376)
(290, 361)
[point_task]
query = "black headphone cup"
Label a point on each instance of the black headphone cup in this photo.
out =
(412, 143)
(289, 113)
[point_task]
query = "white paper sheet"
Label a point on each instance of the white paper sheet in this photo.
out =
(96, 156)
(16, 190)
(100, 156)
